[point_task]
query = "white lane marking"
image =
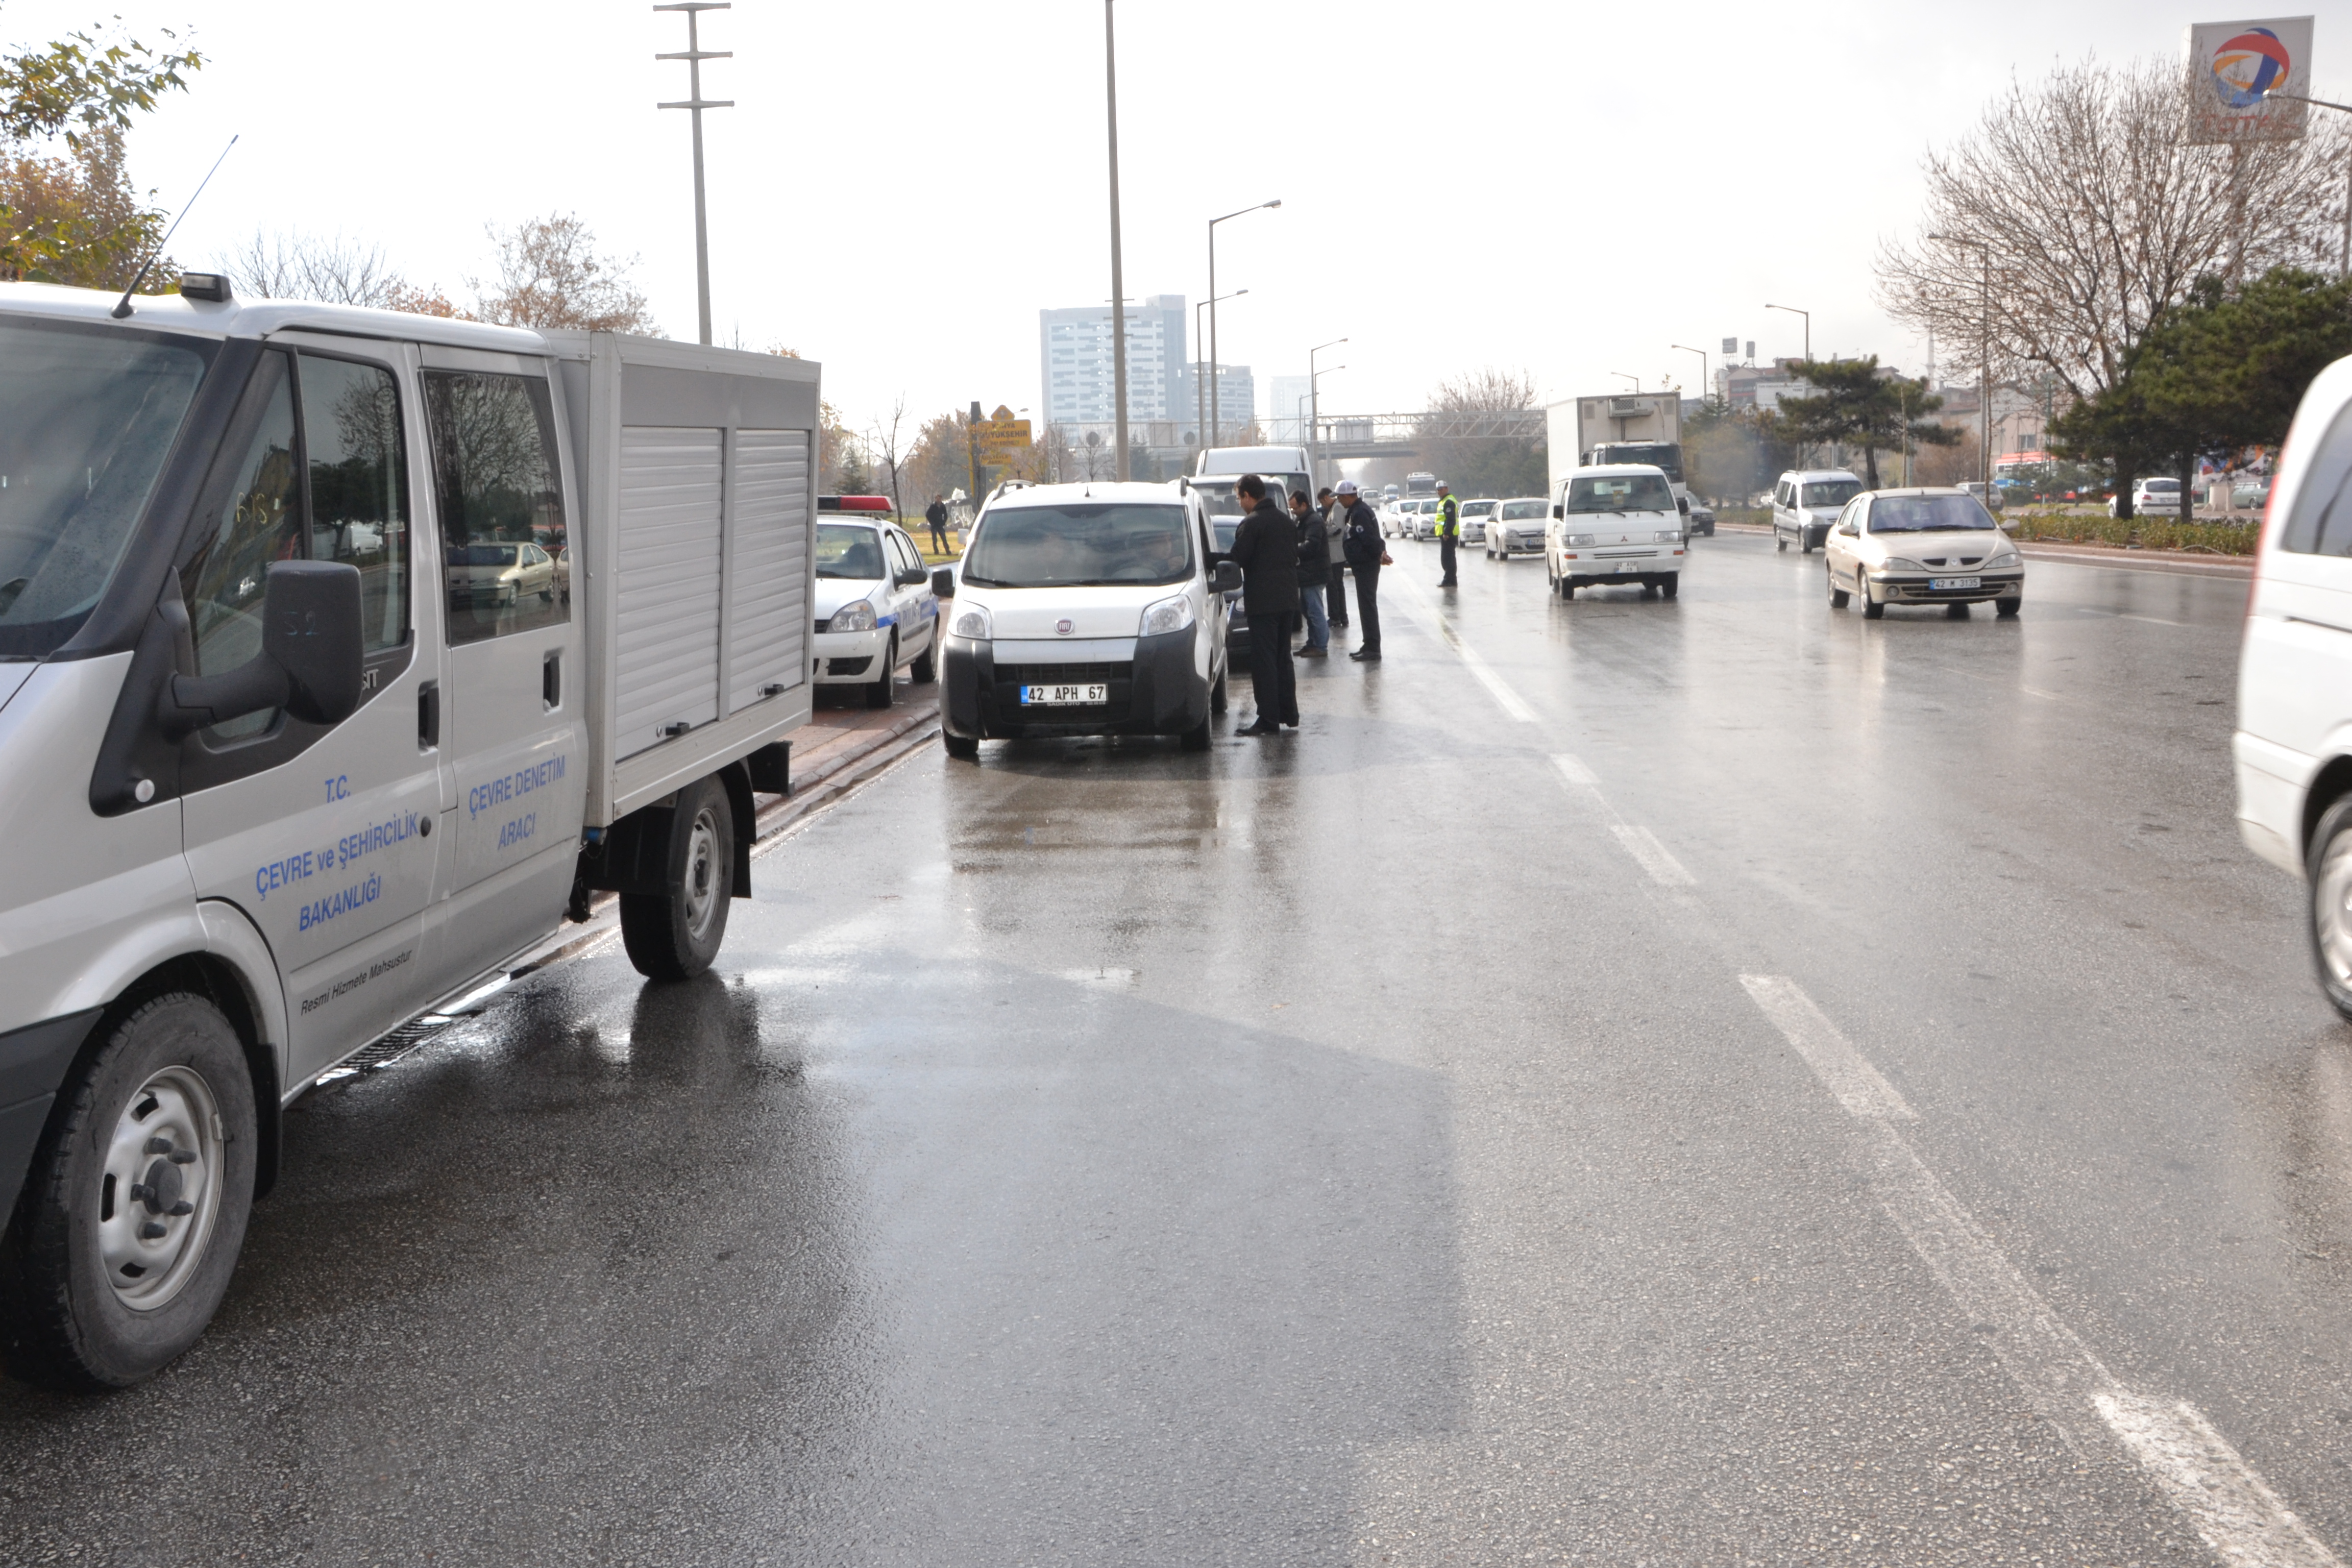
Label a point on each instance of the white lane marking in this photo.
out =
(1512, 702)
(1643, 844)
(2045, 696)
(2245, 1523)
(1858, 1086)
(1574, 771)
(2240, 1517)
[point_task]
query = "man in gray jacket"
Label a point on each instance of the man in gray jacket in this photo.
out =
(1335, 524)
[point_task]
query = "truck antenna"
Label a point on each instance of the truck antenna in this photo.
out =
(123, 306)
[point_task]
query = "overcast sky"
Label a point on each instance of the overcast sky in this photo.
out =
(1566, 189)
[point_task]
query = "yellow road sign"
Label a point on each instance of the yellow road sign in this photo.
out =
(999, 440)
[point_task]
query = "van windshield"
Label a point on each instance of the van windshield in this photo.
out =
(87, 417)
(846, 550)
(1828, 492)
(1217, 490)
(1070, 545)
(1620, 493)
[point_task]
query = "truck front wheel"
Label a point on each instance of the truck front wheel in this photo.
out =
(675, 934)
(135, 1210)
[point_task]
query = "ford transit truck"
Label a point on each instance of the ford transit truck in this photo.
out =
(342, 654)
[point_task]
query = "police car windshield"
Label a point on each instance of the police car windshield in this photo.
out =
(1620, 493)
(87, 417)
(846, 550)
(1065, 544)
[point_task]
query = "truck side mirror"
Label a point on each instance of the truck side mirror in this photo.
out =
(1227, 579)
(1682, 505)
(311, 663)
(943, 582)
(1557, 509)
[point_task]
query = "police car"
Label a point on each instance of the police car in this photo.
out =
(876, 614)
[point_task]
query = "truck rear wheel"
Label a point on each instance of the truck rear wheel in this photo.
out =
(673, 935)
(133, 1214)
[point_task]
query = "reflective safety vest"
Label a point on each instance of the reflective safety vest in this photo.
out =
(1449, 518)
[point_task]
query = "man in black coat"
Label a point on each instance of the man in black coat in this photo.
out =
(1314, 566)
(1266, 547)
(1366, 556)
(937, 517)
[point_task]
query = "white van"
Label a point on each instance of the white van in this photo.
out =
(1615, 524)
(1806, 503)
(2294, 745)
(1086, 609)
(277, 776)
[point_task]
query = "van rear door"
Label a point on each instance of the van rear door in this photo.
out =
(320, 835)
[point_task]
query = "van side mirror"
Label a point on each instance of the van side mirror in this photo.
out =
(1682, 505)
(311, 663)
(1557, 509)
(1226, 578)
(943, 582)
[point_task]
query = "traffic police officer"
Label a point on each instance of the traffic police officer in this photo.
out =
(1449, 530)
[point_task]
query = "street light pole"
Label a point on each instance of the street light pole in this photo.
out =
(1216, 418)
(1984, 361)
(1118, 281)
(1200, 386)
(1635, 379)
(1809, 326)
(694, 55)
(1314, 407)
(1706, 385)
(2344, 258)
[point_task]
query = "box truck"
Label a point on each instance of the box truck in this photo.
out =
(343, 653)
(1618, 428)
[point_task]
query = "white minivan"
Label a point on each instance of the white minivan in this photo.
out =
(2293, 744)
(1806, 503)
(1616, 524)
(1086, 609)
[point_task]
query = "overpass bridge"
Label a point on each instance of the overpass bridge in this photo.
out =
(1339, 436)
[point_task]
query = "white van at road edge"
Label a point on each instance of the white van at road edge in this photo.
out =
(1084, 610)
(2292, 748)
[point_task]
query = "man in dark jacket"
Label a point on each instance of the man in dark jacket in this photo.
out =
(1334, 591)
(1266, 547)
(1314, 566)
(1362, 536)
(937, 517)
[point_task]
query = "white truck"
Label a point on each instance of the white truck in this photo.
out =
(342, 654)
(1640, 427)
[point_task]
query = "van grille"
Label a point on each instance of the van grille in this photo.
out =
(1062, 674)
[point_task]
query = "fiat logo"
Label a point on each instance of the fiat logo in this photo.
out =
(1064, 627)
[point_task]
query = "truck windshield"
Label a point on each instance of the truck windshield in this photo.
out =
(1665, 454)
(1620, 493)
(1065, 544)
(1828, 493)
(87, 418)
(1926, 514)
(845, 550)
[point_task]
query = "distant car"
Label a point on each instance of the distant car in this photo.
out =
(2150, 495)
(1806, 502)
(1921, 547)
(564, 572)
(2250, 495)
(1476, 515)
(1701, 518)
(498, 573)
(1991, 498)
(1517, 526)
(875, 609)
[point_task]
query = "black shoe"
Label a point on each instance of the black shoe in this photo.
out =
(1261, 728)
(1315, 652)
(1366, 656)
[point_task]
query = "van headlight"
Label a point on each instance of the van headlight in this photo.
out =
(1168, 616)
(1578, 541)
(972, 621)
(1667, 536)
(855, 616)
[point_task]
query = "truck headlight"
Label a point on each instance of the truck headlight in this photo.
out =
(1667, 536)
(972, 621)
(856, 617)
(1578, 541)
(1168, 616)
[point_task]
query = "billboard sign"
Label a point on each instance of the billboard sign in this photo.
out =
(2234, 67)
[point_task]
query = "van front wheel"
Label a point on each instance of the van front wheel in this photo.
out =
(2331, 903)
(133, 1215)
(675, 934)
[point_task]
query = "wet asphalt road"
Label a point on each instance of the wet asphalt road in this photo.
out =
(1360, 1146)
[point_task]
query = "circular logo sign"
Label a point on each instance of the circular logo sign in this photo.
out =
(2248, 66)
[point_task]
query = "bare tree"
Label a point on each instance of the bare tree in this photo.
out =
(1486, 466)
(549, 275)
(888, 442)
(332, 270)
(2095, 218)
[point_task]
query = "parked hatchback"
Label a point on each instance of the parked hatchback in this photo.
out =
(2151, 495)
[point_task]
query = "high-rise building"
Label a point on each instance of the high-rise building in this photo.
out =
(1079, 379)
(1286, 403)
(1237, 402)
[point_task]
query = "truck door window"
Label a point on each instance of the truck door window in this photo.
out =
(359, 486)
(494, 481)
(252, 509)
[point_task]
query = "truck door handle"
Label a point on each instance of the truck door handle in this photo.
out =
(428, 715)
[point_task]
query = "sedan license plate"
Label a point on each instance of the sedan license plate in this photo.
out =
(1064, 695)
(1955, 583)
